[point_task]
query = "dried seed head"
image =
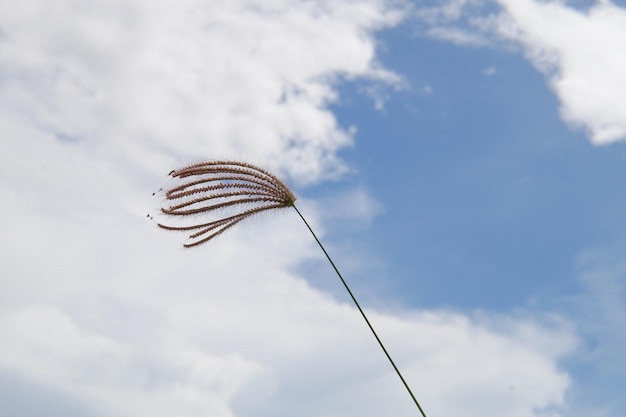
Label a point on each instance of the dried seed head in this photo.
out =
(227, 191)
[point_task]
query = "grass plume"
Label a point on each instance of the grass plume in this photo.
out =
(215, 187)
(212, 187)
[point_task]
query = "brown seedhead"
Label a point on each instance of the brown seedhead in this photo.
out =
(228, 191)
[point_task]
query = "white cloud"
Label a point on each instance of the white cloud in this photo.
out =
(579, 51)
(490, 71)
(457, 36)
(97, 105)
(208, 74)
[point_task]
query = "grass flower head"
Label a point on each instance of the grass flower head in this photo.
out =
(228, 191)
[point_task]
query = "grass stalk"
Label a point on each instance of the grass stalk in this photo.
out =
(358, 306)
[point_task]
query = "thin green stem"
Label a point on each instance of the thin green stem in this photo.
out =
(362, 313)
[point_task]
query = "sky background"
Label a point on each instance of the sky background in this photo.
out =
(463, 161)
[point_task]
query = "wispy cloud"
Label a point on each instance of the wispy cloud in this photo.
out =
(602, 307)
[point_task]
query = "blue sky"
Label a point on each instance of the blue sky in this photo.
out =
(492, 195)
(463, 162)
(490, 198)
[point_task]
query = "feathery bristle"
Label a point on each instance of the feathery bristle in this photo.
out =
(217, 186)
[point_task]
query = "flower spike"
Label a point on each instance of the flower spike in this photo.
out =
(214, 188)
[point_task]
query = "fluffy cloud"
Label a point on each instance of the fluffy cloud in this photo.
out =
(195, 78)
(579, 51)
(97, 308)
